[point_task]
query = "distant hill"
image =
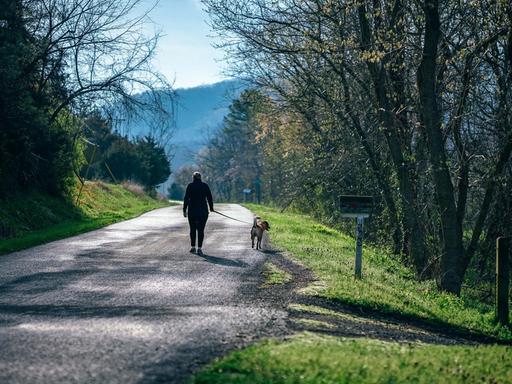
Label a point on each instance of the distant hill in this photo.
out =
(199, 111)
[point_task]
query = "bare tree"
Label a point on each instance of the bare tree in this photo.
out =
(103, 50)
(427, 81)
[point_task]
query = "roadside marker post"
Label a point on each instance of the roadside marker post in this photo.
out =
(502, 279)
(360, 208)
(246, 192)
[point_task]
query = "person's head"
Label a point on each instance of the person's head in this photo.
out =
(196, 176)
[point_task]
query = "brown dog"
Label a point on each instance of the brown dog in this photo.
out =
(258, 227)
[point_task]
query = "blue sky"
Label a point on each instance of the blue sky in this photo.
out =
(185, 53)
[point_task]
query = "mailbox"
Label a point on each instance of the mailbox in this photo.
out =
(356, 206)
(359, 207)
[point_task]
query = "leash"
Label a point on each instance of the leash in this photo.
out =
(232, 218)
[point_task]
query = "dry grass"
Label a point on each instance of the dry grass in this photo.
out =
(134, 188)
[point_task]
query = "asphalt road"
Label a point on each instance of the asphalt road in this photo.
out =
(129, 304)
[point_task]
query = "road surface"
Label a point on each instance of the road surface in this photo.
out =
(129, 304)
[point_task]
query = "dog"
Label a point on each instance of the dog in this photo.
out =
(258, 227)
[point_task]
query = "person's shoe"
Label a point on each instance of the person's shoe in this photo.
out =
(199, 251)
(193, 250)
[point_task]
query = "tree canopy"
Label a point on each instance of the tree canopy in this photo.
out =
(407, 100)
(62, 60)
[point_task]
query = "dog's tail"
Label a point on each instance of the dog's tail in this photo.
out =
(255, 222)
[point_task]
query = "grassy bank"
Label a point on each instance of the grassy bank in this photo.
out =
(36, 218)
(386, 287)
(311, 358)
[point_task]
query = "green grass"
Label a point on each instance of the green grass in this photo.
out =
(315, 359)
(274, 275)
(386, 286)
(35, 218)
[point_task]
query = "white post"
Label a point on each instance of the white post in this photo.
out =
(359, 246)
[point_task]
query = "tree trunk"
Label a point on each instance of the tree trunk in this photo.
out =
(413, 233)
(452, 272)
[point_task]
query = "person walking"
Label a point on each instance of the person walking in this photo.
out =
(195, 206)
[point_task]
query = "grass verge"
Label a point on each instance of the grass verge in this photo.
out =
(312, 358)
(386, 286)
(274, 275)
(35, 218)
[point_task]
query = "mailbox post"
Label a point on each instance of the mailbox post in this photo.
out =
(358, 207)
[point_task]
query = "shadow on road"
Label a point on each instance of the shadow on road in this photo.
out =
(43, 282)
(223, 261)
(59, 312)
(332, 316)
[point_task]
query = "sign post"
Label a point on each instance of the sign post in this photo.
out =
(358, 207)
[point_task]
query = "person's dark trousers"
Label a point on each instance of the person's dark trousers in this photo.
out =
(197, 224)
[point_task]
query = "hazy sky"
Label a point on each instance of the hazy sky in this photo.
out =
(185, 53)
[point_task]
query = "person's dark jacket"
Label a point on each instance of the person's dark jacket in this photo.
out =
(197, 196)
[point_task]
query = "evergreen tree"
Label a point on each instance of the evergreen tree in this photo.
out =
(232, 159)
(141, 160)
(154, 166)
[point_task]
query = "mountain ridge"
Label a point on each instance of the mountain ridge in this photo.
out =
(197, 114)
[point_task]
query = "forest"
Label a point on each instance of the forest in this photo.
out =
(409, 102)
